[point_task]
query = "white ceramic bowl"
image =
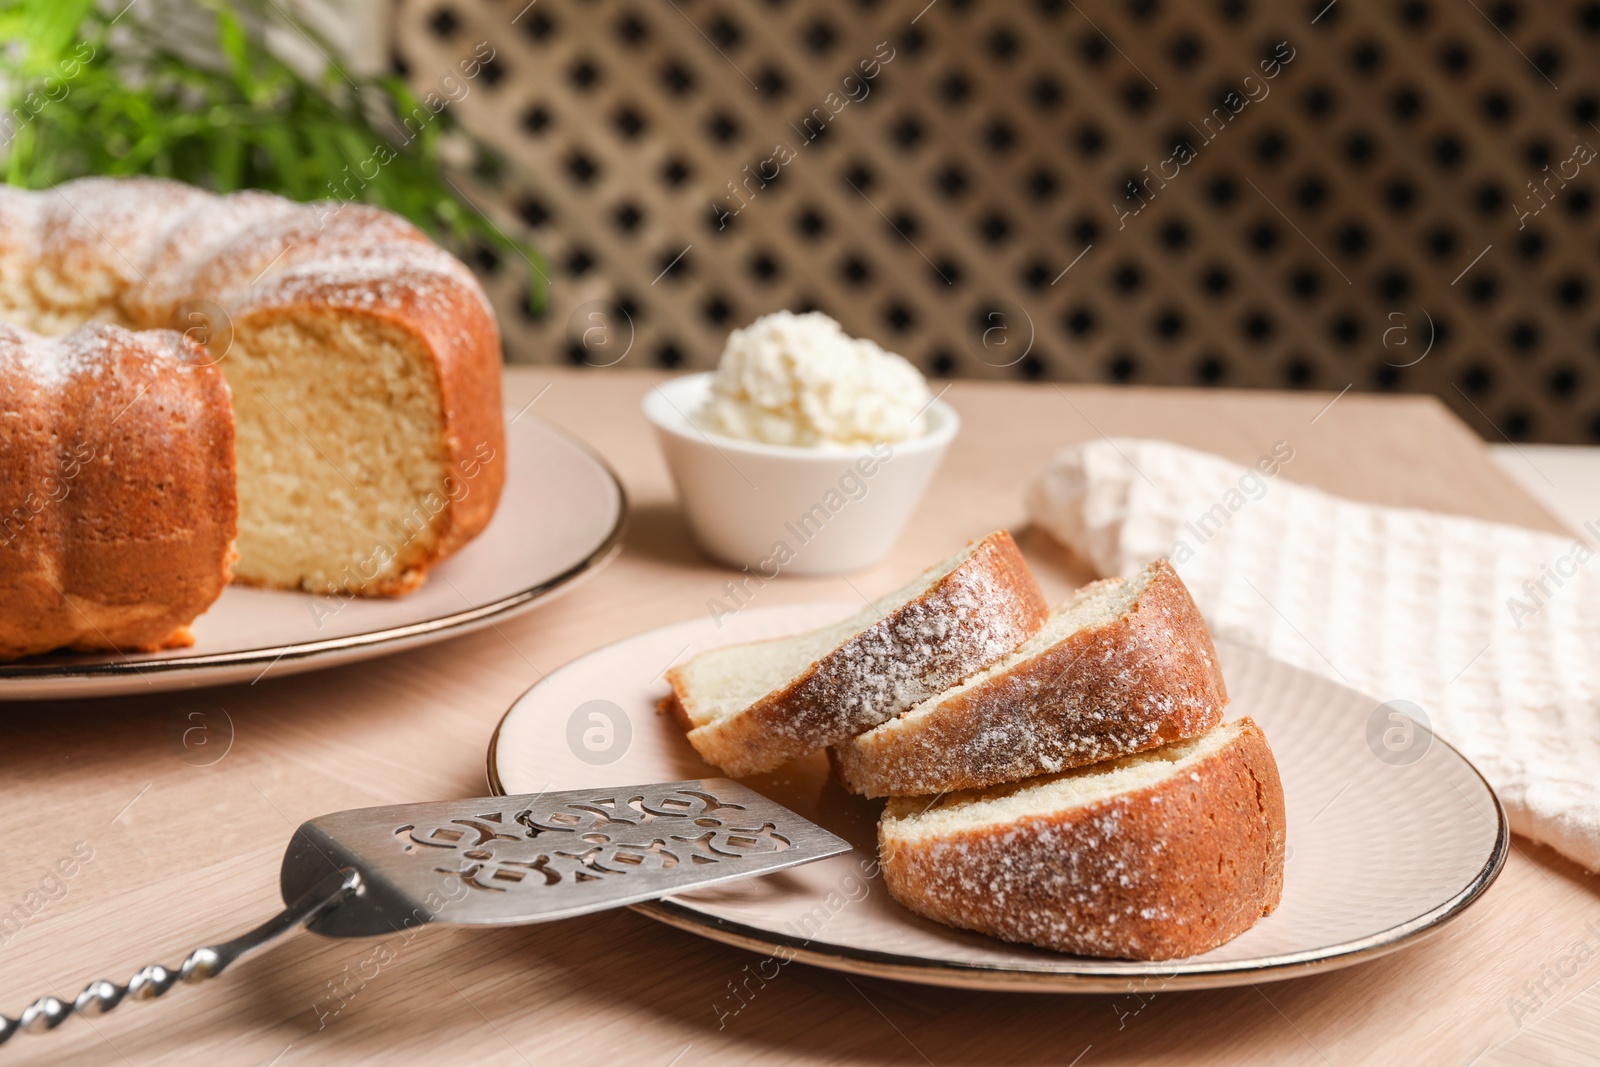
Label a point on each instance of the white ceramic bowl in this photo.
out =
(780, 509)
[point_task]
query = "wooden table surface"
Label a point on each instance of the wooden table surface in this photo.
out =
(184, 854)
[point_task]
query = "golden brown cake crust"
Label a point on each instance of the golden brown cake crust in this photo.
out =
(116, 489)
(1141, 680)
(979, 612)
(1174, 869)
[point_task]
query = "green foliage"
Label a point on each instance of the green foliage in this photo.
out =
(89, 90)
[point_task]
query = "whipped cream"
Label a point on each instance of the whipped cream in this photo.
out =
(790, 379)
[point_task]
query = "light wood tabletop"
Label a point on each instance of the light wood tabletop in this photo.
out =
(170, 855)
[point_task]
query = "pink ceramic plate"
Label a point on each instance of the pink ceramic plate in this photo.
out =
(1389, 838)
(560, 518)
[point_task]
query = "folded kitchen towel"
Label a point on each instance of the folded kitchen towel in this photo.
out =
(1494, 630)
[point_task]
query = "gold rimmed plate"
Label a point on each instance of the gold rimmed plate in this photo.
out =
(561, 517)
(1391, 832)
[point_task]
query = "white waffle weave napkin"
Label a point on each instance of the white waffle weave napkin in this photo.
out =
(1493, 630)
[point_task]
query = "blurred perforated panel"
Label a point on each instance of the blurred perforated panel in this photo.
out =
(1060, 190)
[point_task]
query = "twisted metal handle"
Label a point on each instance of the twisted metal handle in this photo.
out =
(99, 997)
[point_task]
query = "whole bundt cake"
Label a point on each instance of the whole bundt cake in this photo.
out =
(363, 442)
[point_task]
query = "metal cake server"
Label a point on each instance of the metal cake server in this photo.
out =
(492, 860)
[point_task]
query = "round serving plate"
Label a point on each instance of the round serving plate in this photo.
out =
(560, 518)
(1391, 833)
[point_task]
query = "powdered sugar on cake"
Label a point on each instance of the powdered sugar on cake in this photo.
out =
(923, 649)
(147, 245)
(90, 352)
(1147, 858)
(1087, 687)
(954, 621)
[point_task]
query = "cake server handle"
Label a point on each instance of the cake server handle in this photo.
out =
(99, 997)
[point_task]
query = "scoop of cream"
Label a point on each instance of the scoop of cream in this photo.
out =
(790, 379)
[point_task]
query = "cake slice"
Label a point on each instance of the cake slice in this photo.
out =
(1123, 666)
(1164, 854)
(750, 708)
